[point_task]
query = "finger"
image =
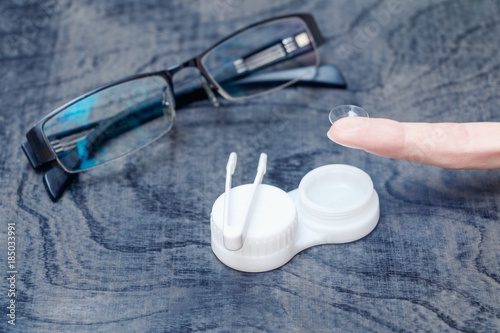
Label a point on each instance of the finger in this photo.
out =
(447, 145)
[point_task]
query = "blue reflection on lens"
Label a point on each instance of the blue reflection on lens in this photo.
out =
(110, 123)
(79, 113)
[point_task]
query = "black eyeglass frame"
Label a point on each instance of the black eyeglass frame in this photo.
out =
(40, 152)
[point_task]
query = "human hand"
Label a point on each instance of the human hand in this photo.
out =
(446, 145)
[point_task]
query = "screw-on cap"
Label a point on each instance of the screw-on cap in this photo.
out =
(272, 226)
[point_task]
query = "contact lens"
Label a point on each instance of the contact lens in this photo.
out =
(348, 111)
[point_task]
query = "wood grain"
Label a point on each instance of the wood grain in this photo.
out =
(127, 248)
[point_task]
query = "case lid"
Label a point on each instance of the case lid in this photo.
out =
(272, 225)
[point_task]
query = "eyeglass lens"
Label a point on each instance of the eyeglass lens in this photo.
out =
(111, 122)
(259, 53)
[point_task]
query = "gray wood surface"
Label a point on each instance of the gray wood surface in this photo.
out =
(127, 248)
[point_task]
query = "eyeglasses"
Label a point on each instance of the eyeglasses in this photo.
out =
(124, 116)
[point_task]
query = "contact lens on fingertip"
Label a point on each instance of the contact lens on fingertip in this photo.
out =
(349, 111)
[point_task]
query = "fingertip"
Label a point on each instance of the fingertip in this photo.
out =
(329, 134)
(345, 131)
(375, 135)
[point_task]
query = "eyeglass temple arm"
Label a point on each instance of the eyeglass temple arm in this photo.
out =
(56, 180)
(327, 76)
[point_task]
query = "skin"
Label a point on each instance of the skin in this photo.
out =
(446, 145)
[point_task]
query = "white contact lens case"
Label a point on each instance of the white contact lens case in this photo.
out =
(265, 227)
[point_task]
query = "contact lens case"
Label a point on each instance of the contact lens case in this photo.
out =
(258, 227)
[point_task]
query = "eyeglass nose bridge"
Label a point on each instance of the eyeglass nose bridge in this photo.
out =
(203, 80)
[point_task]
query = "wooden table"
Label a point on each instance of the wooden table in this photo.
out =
(127, 248)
